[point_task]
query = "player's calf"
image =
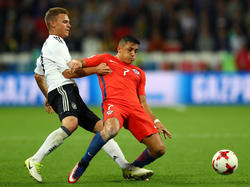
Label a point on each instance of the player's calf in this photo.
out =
(158, 151)
(155, 145)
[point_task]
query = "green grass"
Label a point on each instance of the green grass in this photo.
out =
(198, 132)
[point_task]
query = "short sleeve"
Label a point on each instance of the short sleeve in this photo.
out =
(39, 69)
(56, 53)
(94, 60)
(141, 87)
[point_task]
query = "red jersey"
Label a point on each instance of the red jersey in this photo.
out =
(124, 84)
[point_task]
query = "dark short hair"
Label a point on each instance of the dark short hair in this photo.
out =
(52, 13)
(129, 38)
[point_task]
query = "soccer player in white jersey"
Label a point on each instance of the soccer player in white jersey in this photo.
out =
(62, 95)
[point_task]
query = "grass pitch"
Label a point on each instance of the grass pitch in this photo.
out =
(198, 132)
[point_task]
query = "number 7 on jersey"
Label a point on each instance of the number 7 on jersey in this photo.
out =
(125, 71)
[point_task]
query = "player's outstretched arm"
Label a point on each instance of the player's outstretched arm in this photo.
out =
(101, 69)
(162, 129)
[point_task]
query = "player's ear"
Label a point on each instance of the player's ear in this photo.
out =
(52, 24)
(118, 48)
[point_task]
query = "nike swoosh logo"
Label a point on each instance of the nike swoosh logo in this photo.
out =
(71, 178)
(89, 154)
(115, 157)
(112, 61)
(30, 166)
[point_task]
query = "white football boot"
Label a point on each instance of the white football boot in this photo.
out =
(132, 172)
(34, 169)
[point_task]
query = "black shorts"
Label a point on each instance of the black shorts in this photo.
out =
(66, 101)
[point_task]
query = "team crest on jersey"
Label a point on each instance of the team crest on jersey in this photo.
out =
(110, 112)
(73, 105)
(136, 72)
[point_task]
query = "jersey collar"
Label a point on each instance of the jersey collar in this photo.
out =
(121, 62)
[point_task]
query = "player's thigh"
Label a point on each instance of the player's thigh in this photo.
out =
(64, 101)
(112, 113)
(141, 125)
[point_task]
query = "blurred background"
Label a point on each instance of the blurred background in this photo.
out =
(197, 61)
(193, 51)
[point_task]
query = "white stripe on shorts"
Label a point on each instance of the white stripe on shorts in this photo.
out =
(64, 98)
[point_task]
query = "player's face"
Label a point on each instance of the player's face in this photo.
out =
(61, 25)
(127, 52)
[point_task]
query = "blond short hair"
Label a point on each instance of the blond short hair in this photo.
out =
(52, 13)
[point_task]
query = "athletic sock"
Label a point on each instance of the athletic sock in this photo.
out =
(54, 140)
(143, 159)
(94, 146)
(114, 151)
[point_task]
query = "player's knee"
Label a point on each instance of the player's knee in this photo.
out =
(71, 123)
(162, 150)
(113, 132)
(159, 151)
(110, 129)
(110, 132)
(98, 126)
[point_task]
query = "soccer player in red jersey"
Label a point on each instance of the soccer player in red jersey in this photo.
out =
(124, 104)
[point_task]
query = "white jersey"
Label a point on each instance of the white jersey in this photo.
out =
(53, 61)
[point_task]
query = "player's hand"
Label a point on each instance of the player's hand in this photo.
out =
(103, 69)
(48, 108)
(74, 65)
(162, 129)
